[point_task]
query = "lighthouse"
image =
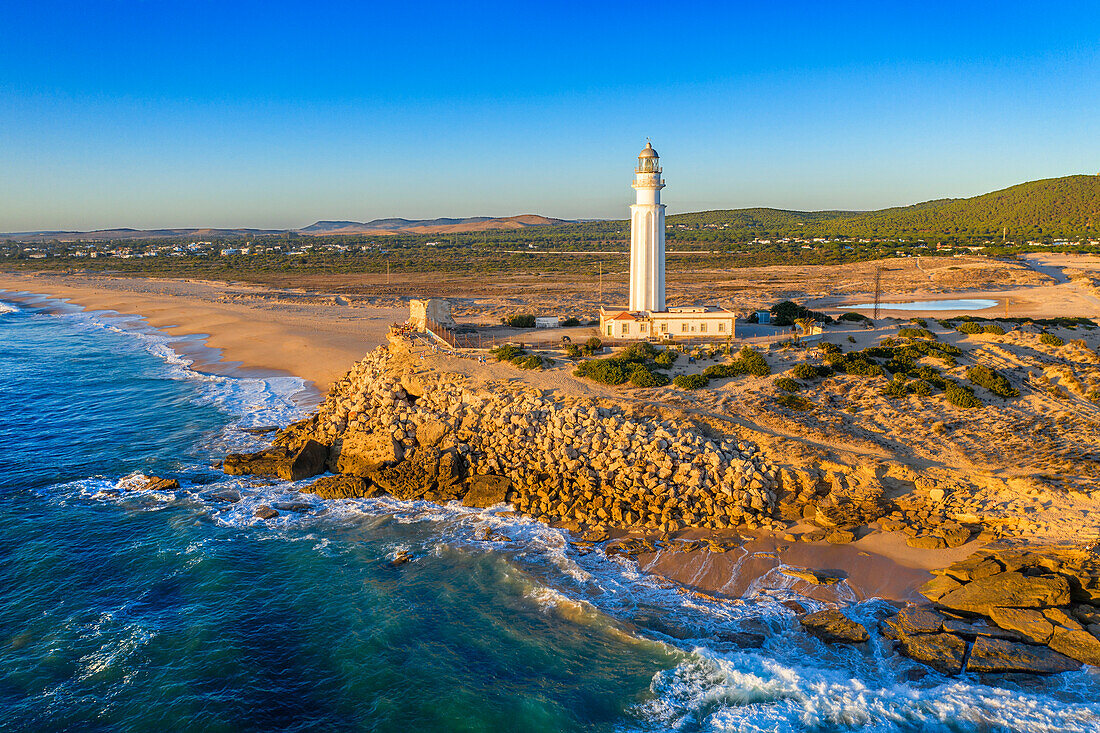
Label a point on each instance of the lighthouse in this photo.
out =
(645, 316)
(647, 235)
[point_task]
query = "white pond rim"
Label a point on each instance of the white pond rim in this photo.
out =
(974, 304)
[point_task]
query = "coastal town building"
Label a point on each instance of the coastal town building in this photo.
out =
(646, 316)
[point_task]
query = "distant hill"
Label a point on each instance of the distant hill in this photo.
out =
(430, 226)
(1059, 207)
(103, 235)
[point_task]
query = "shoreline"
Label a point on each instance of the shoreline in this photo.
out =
(315, 342)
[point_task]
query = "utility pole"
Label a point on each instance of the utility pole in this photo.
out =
(878, 290)
(387, 272)
(601, 283)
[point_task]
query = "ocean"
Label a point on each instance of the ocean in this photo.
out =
(123, 609)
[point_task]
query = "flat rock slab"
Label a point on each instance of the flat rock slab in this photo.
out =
(834, 627)
(912, 620)
(942, 652)
(1000, 655)
(1076, 644)
(342, 487)
(1027, 622)
(486, 491)
(1007, 590)
(938, 587)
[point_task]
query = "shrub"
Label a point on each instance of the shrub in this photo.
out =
(804, 371)
(754, 362)
(507, 352)
(853, 317)
(921, 322)
(573, 351)
(690, 381)
(521, 320)
(642, 377)
(570, 322)
(1051, 340)
(983, 376)
(787, 312)
(666, 358)
(534, 361)
(961, 396)
(795, 402)
(851, 339)
(916, 333)
(921, 387)
(945, 323)
(605, 371)
(787, 384)
(894, 389)
(592, 346)
(994, 329)
(969, 328)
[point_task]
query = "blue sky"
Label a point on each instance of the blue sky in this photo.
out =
(276, 114)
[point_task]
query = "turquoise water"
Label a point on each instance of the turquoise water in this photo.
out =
(129, 610)
(964, 304)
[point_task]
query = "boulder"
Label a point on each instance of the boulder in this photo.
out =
(942, 652)
(1076, 644)
(156, 483)
(834, 627)
(927, 542)
(486, 491)
(938, 587)
(361, 454)
(1026, 622)
(285, 463)
(912, 620)
(342, 487)
(1007, 590)
(840, 537)
(816, 577)
(263, 511)
(431, 432)
(999, 655)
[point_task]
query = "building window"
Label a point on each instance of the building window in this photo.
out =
(609, 329)
(664, 328)
(683, 328)
(625, 329)
(721, 327)
(702, 328)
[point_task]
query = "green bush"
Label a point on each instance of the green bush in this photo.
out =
(994, 329)
(605, 371)
(961, 396)
(920, 322)
(853, 317)
(921, 387)
(507, 352)
(851, 339)
(521, 320)
(983, 376)
(795, 402)
(895, 388)
(570, 323)
(916, 333)
(1051, 340)
(787, 312)
(787, 384)
(642, 377)
(753, 361)
(573, 351)
(666, 358)
(534, 361)
(969, 328)
(690, 381)
(592, 346)
(810, 371)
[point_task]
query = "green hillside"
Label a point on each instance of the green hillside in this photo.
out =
(1053, 207)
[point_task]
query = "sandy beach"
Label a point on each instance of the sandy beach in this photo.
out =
(318, 341)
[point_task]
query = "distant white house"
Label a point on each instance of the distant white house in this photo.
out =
(547, 321)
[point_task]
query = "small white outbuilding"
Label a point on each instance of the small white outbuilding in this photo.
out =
(547, 321)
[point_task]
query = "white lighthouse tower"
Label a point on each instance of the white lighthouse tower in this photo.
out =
(647, 236)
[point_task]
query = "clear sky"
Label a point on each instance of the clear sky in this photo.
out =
(276, 114)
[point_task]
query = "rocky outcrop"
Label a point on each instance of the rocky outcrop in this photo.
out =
(486, 491)
(342, 487)
(287, 463)
(999, 655)
(834, 627)
(1012, 607)
(156, 483)
(363, 453)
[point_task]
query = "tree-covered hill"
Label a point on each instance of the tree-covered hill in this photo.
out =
(1053, 207)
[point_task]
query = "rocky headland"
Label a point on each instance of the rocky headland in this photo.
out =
(630, 474)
